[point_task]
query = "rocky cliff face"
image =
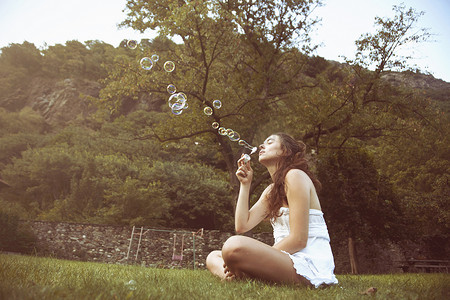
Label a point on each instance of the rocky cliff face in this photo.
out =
(416, 81)
(62, 101)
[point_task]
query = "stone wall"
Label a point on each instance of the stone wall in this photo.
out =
(110, 244)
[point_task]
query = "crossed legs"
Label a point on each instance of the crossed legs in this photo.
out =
(247, 257)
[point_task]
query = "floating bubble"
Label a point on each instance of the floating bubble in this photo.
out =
(146, 63)
(215, 125)
(169, 66)
(155, 57)
(177, 112)
(177, 101)
(208, 111)
(230, 132)
(181, 101)
(131, 285)
(186, 106)
(234, 137)
(132, 44)
(172, 100)
(183, 95)
(222, 131)
(248, 146)
(171, 89)
(217, 104)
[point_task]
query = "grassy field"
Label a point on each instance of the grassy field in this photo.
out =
(28, 277)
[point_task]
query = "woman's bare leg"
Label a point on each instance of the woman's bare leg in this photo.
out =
(258, 260)
(214, 263)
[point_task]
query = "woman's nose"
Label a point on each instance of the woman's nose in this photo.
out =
(261, 146)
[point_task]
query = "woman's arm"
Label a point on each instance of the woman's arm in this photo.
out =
(298, 187)
(246, 219)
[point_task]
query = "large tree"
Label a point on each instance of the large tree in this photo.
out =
(351, 103)
(360, 204)
(18, 63)
(353, 107)
(248, 54)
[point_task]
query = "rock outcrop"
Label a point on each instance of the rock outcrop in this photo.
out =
(62, 101)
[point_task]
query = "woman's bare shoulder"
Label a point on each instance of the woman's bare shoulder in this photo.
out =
(297, 175)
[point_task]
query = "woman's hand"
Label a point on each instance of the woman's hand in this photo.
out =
(244, 172)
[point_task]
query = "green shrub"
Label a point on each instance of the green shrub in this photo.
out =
(15, 236)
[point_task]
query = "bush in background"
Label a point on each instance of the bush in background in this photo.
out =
(14, 236)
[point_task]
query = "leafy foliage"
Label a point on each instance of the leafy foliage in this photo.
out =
(15, 236)
(78, 175)
(358, 201)
(22, 64)
(130, 166)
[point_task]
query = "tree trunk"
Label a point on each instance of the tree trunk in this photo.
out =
(352, 254)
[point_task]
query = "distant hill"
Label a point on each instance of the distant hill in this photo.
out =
(436, 89)
(60, 101)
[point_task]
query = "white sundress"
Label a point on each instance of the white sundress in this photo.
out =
(315, 262)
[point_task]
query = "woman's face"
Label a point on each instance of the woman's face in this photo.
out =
(270, 150)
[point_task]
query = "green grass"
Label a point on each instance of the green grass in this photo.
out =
(28, 277)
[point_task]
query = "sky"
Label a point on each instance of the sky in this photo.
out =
(50, 22)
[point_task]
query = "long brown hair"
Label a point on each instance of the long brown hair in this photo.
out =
(294, 157)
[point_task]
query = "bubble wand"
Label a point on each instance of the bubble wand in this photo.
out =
(253, 149)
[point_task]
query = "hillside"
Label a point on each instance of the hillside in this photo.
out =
(57, 81)
(60, 101)
(436, 89)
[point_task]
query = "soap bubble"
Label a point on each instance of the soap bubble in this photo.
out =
(177, 112)
(155, 57)
(132, 44)
(182, 98)
(229, 131)
(234, 137)
(146, 63)
(208, 111)
(178, 106)
(248, 146)
(177, 101)
(171, 89)
(169, 66)
(247, 158)
(217, 104)
(172, 99)
(215, 125)
(222, 131)
(183, 95)
(131, 285)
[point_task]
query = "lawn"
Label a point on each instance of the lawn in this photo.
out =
(29, 277)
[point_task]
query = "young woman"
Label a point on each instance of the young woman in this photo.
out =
(301, 253)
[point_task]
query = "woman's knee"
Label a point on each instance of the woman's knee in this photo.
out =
(233, 249)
